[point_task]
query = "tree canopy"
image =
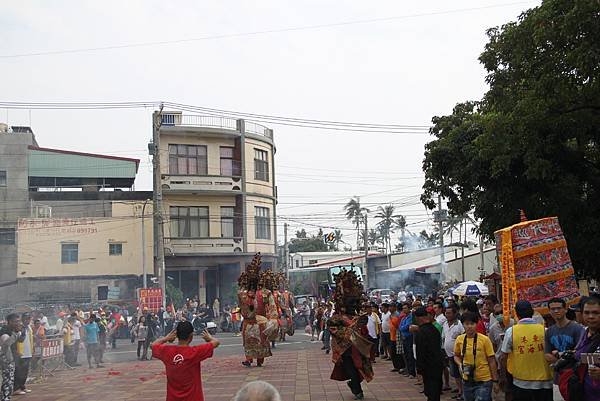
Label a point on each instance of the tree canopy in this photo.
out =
(305, 243)
(533, 141)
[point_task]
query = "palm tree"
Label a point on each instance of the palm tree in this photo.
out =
(386, 224)
(429, 239)
(373, 237)
(452, 225)
(355, 213)
(338, 238)
(400, 223)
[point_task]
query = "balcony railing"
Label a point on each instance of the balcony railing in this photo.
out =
(182, 246)
(227, 123)
(189, 183)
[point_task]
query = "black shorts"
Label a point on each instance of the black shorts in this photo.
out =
(385, 339)
(453, 368)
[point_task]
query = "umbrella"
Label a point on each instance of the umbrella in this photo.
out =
(471, 288)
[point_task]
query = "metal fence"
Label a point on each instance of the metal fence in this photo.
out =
(189, 120)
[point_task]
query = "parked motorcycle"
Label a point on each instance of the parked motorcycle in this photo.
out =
(201, 324)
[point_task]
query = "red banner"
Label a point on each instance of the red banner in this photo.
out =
(150, 299)
(52, 348)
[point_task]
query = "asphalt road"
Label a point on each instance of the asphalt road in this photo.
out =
(230, 345)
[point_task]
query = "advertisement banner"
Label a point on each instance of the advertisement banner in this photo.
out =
(151, 299)
(52, 348)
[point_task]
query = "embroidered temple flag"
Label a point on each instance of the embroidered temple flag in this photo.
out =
(535, 264)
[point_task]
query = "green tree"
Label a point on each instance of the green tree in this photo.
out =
(400, 224)
(338, 238)
(355, 213)
(304, 243)
(453, 224)
(386, 224)
(174, 295)
(428, 240)
(532, 142)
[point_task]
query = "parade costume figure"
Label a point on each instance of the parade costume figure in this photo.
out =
(256, 305)
(267, 283)
(350, 347)
(285, 306)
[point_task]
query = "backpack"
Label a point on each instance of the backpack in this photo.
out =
(570, 382)
(571, 378)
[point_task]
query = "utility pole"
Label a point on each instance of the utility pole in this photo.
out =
(285, 252)
(159, 249)
(481, 255)
(462, 251)
(144, 268)
(366, 266)
(440, 220)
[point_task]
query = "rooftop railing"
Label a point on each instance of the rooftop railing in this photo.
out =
(228, 123)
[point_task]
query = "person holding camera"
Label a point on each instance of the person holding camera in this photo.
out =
(474, 354)
(562, 336)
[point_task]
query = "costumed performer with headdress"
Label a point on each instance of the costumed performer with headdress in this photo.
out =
(267, 283)
(351, 349)
(285, 303)
(255, 305)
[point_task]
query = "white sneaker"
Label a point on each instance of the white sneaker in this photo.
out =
(19, 392)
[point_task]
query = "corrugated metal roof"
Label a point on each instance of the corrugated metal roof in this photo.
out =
(44, 162)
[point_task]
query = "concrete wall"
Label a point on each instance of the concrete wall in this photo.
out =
(74, 208)
(40, 241)
(259, 245)
(73, 289)
(472, 264)
(13, 198)
(253, 185)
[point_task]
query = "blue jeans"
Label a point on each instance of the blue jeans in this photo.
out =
(477, 391)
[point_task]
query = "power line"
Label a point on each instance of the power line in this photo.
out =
(277, 120)
(254, 33)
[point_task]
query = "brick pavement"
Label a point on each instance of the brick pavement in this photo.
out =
(299, 376)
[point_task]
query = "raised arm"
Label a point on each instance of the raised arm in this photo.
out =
(169, 338)
(210, 339)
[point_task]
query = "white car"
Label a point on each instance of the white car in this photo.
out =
(385, 294)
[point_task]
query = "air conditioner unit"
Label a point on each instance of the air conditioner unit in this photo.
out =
(43, 212)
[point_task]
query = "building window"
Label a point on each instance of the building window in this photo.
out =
(262, 221)
(188, 160)
(229, 166)
(227, 221)
(297, 263)
(69, 253)
(7, 236)
(115, 249)
(313, 261)
(2, 178)
(261, 165)
(189, 222)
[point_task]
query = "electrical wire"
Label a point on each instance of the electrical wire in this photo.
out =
(255, 33)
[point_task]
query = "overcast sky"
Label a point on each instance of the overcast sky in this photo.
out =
(394, 71)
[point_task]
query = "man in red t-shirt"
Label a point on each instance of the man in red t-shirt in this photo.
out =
(182, 362)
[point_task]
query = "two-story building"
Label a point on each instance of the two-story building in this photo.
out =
(71, 225)
(219, 201)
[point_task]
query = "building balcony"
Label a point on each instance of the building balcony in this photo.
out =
(178, 120)
(190, 246)
(194, 183)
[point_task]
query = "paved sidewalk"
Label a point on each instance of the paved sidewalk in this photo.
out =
(299, 376)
